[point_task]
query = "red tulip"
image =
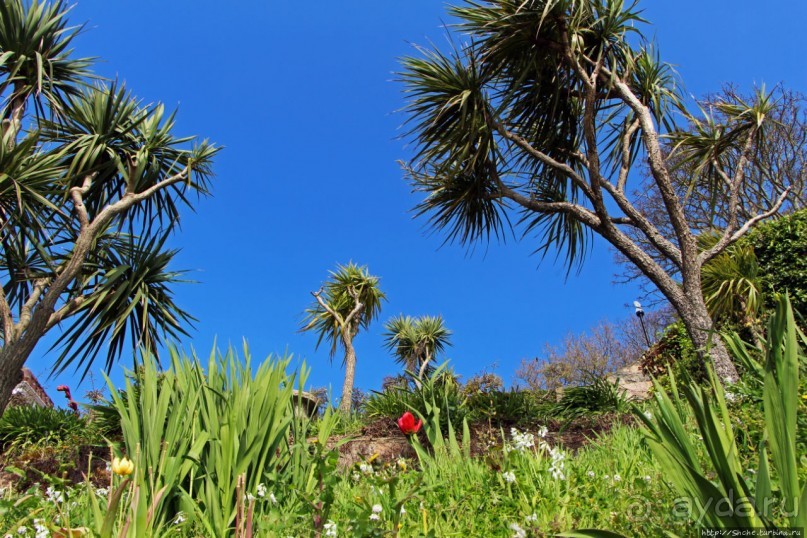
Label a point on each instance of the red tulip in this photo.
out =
(408, 425)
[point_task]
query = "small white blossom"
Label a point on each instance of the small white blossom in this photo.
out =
(647, 478)
(180, 518)
(542, 431)
(509, 477)
(261, 491)
(730, 396)
(403, 510)
(617, 478)
(591, 474)
(377, 509)
(518, 532)
(366, 468)
(521, 441)
(649, 415)
(22, 529)
(272, 498)
(54, 495)
(330, 529)
(102, 492)
(355, 476)
(249, 497)
(40, 528)
(532, 518)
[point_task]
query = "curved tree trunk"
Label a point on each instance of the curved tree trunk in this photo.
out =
(346, 402)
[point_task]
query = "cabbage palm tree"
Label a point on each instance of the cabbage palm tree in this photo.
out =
(91, 184)
(535, 124)
(415, 342)
(348, 301)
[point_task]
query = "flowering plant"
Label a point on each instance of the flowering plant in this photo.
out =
(408, 425)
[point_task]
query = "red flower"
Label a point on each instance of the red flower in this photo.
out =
(408, 425)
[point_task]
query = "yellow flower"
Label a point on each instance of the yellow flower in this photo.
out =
(122, 466)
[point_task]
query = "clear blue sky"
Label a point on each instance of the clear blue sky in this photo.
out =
(304, 100)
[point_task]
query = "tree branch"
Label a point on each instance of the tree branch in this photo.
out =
(625, 168)
(77, 194)
(519, 141)
(70, 308)
(27, 308)
(728, 238)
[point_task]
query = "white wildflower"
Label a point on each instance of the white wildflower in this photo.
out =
(22, 529)
(180, 518)
(366, 468)
(261, 491)
(649, 415)
(591, 474)
(330, 529)
(518, 532)
(647, 478)
(355, 476)
(403, 510)
(377, 509)
(102, 492)
(617, 478)
(531, 519)
(249, 497)
(54, 495)
(730, 396)
(509, 477)
(521, 441)
(542, 431)
(272, 497)
(40, 528)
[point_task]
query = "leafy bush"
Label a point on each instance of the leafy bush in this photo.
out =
(441, 387)
(780, 246)
(32, 425)
(601, 396)
(509, 407)
(674, 352)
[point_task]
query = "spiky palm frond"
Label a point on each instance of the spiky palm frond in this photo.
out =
(126, 146)
(128, 302)
(35, 55)
(347, 284)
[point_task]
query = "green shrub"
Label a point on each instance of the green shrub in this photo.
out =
(32, 425)
(780, 246)
(441, 387)
(601, 396)
(509, 407)
(674, 351)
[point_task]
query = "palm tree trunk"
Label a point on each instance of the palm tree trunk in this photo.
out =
(350, 373)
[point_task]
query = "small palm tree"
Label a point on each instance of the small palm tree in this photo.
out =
(348, 301)
(731, 284)
(416, 341)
